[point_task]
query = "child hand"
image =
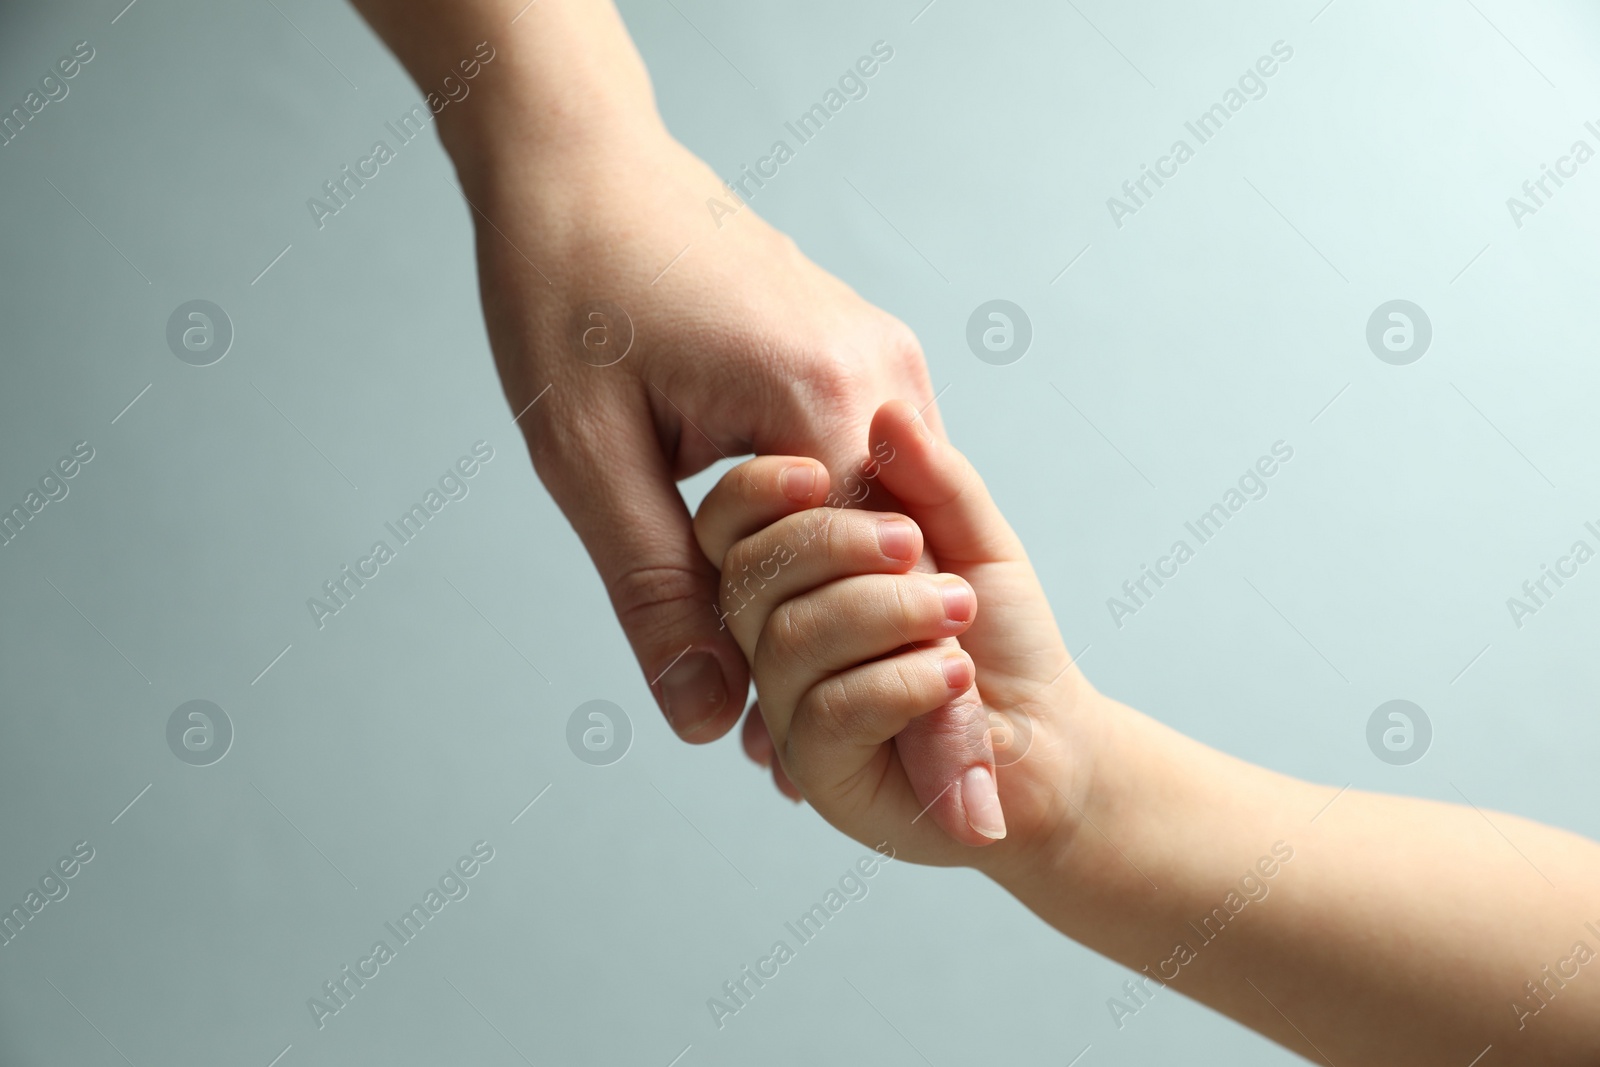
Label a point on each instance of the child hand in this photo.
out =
(853, 656)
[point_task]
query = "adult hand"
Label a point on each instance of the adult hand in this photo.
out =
(642, 334)
(726, 341)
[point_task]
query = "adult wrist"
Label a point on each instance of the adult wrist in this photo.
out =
(514, 122)
(511, 82)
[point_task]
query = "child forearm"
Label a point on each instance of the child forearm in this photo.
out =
(1348, 926)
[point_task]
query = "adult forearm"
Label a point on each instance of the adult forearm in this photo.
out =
(565, 74)
(1369, 929)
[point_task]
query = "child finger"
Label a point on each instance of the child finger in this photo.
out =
(801, 552)
(753, 495)
(757, 742)
(841, 722)
(940, 490)
(845, 623)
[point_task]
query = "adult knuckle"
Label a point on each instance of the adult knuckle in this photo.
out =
(903, 346)
(904, 356)
(639, 592)
(824, 385)
(563, 447)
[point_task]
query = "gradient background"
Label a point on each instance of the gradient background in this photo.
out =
(1225, 316)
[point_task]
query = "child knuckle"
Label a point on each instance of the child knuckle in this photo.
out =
(829, 712)
(785, 636)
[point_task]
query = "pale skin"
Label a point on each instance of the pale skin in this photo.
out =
(1400, 931)
(741, 344)
(1380, 929)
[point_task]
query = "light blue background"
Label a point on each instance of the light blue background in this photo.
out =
(1223, 317)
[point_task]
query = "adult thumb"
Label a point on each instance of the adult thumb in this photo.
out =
(605, 468)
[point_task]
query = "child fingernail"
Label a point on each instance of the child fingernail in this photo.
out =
(958, 601)
(981, 799)
(958, 673)
(799, 483)
(897, 540)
